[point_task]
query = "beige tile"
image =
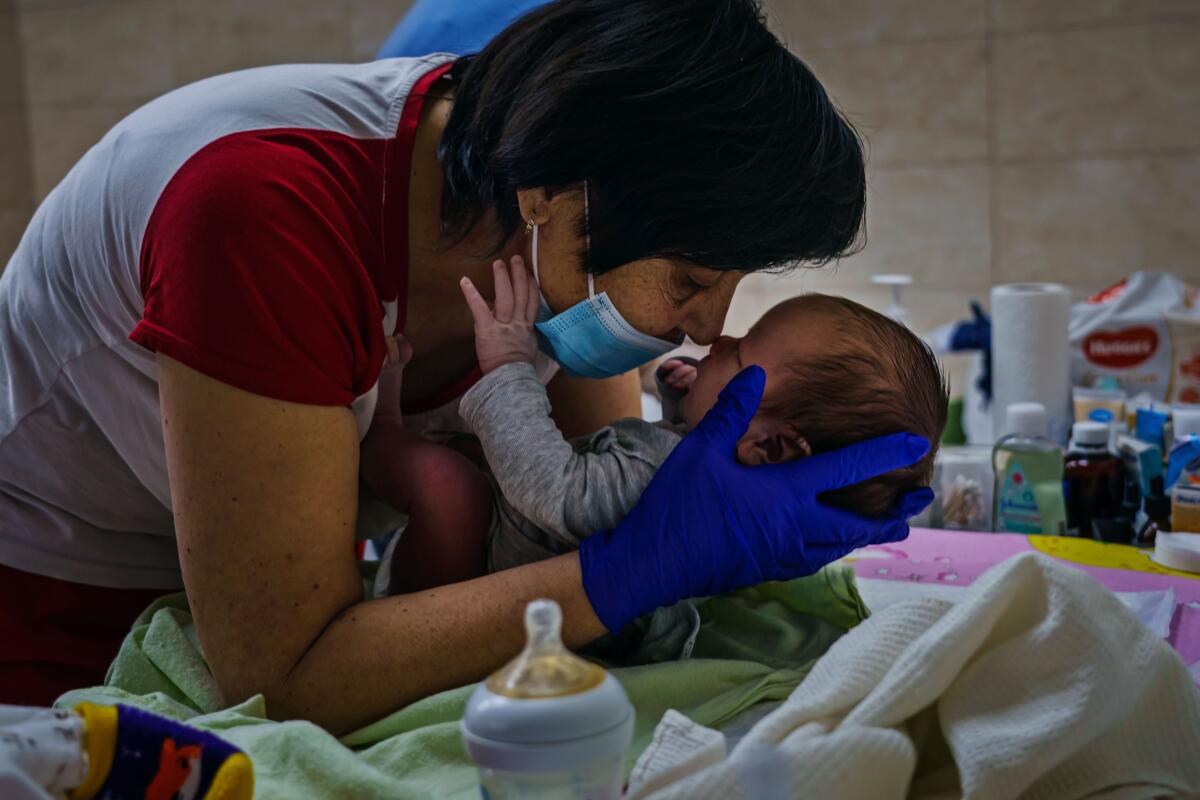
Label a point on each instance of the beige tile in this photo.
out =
(1088, 223)
(931, 224)
(370, 23)
(823, 24)
(14, 160)
(61, 135)
(37, 5)
(1024, 15)
(929, 307)
(12, 226)
(224, 35)
(902, 100)
(1132, 88)
(12, 89)
(96, 53)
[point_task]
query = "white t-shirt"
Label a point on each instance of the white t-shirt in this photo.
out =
(252, 226)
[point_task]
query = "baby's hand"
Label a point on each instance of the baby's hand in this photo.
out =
(677, 374)
(504, 333)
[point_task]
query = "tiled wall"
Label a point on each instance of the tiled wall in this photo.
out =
(16, 197)
(88, 63)
(1009, 139)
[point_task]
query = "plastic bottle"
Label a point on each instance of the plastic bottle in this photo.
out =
(1183, 463)
(548, 724)
(1185, 508)
(964, 481)
(1157, 507)
(1029, 475)
(1121, 529)
(1093, 478)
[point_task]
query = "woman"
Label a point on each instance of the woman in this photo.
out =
(192, 329)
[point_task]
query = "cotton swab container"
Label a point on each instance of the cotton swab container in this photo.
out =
(549, 724)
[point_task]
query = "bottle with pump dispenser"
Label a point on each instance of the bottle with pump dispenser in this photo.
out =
(548, 724)
(1029, 475)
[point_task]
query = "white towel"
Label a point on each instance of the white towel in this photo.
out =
(1038, 683)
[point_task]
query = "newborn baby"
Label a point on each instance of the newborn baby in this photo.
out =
(837, 373)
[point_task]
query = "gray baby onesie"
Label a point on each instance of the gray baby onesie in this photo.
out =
(553, 493)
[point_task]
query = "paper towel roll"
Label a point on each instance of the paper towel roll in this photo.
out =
(1030, 355)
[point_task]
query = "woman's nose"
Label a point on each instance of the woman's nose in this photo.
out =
(707, 317)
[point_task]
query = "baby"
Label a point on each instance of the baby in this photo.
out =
(837, 373)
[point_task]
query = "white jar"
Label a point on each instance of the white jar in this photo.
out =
(549, 724)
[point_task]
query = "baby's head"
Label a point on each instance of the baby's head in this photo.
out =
(837, 373)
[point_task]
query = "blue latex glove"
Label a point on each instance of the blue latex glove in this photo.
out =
(707, 524)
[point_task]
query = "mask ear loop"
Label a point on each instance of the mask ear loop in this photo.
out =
(535, 269)
(587, 234)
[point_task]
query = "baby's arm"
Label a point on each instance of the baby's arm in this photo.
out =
(568, 492)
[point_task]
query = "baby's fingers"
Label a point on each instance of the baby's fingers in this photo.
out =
(479, 307)
(504, 292)
(520, 287)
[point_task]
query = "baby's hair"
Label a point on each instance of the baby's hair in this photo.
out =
(873, 377)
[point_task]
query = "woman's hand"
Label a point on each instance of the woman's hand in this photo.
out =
(504, 333)
(707, 524)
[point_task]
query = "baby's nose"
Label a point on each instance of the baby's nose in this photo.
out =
(722, 344)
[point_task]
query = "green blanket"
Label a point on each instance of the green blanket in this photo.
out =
(754, 645)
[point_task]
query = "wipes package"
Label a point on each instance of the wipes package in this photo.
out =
(1122, 333)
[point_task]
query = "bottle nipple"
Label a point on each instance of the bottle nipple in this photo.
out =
(545, 668)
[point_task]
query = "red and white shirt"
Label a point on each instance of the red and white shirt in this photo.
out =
(252, 226)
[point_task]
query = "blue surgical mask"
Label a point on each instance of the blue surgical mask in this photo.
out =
(591, 339)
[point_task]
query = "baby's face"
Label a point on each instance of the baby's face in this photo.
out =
(782, 336)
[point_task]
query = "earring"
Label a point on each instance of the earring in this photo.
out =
(529, 224)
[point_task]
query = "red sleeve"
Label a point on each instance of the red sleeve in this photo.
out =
(256, 264)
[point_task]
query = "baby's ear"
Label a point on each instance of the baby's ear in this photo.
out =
(771, 441)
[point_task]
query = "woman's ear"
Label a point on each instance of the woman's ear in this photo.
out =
(771, 441)
(544, 203)
(534, 202)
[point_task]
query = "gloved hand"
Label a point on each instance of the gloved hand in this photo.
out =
(707, 524)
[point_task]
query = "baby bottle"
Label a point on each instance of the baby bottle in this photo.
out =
(548, 724)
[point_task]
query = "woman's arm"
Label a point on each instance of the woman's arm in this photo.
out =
(583, 405)
(264, 495)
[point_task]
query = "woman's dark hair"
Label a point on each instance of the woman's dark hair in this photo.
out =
(701, 137)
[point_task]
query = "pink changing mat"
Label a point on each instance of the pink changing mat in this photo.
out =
(957, 558)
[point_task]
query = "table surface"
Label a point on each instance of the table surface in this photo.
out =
(957, 558)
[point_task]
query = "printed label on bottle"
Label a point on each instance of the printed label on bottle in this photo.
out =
(1018, 508)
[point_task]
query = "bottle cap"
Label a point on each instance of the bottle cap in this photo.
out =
(1090, 434)
(1187, 421)
(1179, 551)
(1027, 419)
